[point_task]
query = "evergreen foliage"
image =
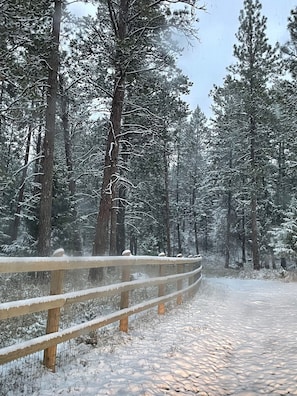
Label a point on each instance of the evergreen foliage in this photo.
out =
(132, 166)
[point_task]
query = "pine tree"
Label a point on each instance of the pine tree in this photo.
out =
(191, 217)
(289, 103)
(256, 63)
(151, 160)
(284, 238)
(136, 30)
(229, 163)
(24, 41)
(290, 48)
(44, 231)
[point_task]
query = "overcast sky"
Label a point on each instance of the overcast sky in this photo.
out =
(206, 60)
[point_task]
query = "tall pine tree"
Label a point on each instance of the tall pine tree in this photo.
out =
(256, 63)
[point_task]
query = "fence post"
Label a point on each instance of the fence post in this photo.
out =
(179, 283)
(53, 318)
(191, 279)
(161, 291)
(125, 295)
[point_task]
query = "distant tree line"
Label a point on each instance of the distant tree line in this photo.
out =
(100, 152)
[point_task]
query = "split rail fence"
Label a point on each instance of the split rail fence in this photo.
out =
(184, 277)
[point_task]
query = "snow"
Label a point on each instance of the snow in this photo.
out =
(236, 337)
(29, 305)
(138, 276)
(27, 264)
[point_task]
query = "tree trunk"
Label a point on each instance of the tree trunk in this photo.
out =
(35, 200)
(121, 229)
(44, 232)
(76, 240)
(133, 245)
(120, 232)
(206, 234)
(16, 222)
(281, 187)
(101, 243)
(272, 259)
(255, 246)
(113, 223)
(254, 186)
(102, 229)
(243, 239)
(195, 219)
(167, 206)
(228, 230)
(67, 139)
(228, 220)
(1, 101)
(179, 244)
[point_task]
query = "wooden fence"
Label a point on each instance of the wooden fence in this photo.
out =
(185, 275)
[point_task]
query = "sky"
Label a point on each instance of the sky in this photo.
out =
(206, 59)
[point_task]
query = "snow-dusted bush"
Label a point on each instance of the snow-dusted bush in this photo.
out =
(25, 245)
(284, 238)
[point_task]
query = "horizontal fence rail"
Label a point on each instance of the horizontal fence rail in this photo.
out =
(186, 281)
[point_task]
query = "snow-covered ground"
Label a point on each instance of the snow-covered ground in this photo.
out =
(236, 337)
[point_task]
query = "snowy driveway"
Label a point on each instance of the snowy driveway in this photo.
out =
(237, 337)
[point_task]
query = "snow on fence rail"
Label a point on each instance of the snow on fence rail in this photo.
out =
(186, 269)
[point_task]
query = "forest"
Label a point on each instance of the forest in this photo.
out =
(100, 151)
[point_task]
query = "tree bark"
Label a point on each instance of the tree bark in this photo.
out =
(119, 207)
(167, 206)
(228, 230)
(16, 221)
(113, 223)
(66, 133)
(101, 243)
(243, 239)
(44, 232)
(179, 243)
(121, 229)
(75, 236)
(102, 229)
(195, 219)
(255, 246)
(281, 187)
(1, 120)
(133, 245)
(254, 185)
